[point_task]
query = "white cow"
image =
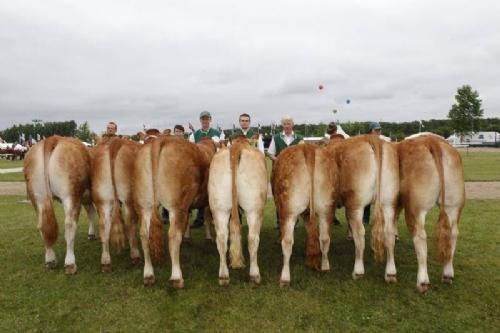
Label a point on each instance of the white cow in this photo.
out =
(238, 178)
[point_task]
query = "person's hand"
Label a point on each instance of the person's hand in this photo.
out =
(191, 127)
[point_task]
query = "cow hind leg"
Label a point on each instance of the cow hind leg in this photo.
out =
(324, 241)
(453, 217)
(254, 220)
(178, 223)
(131, 232)
(71, 214)
(145, 224)
(92, 220)
(221, 221)
(355, 216)
(416, 224)
(287, 228)
(44, 213)
(105, 209)
(389, 241)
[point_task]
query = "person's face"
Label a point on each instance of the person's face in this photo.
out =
(288, 126)
(205, 122)
(376, 131)
(178, 132)
(244, 122)
(168, 132)
(111, 129)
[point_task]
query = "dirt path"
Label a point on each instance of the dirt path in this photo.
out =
(473, 190)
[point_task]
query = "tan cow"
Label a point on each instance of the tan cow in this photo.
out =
(238, 178)
(112, 172)
(352, 173)
(58, 167)
(431, 173)
(174, 173)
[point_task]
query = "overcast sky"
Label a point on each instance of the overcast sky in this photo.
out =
(160, 63)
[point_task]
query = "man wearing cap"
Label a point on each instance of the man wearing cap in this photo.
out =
(204, 132)
(251, 133)
(285, 139)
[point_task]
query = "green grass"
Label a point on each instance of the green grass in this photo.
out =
(6, 164)
(12, 177)
(481, 166)
(34, 299)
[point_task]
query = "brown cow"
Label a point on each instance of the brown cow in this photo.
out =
(347, 172)
(238, 178)
(174, 173)
(58, 168)
(431, 173)
(112, 171)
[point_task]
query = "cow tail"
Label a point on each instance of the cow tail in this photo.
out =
(313, 253)
(235, 252)
(156, 238)
(377, 241)
(49, 226)
(443, 232)
(117, 235)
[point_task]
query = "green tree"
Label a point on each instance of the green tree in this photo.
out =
(84, 133)
(466, 111)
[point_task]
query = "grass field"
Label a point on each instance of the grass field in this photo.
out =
(6, 164)
(481, 166)
(34, 299)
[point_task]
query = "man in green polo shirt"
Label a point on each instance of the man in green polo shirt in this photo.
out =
(195, 137)
(205, 130)
(284, 139)
(251, 133)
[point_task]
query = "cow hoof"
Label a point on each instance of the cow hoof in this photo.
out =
(178, 284)
(223, 281)
(105, 268)
(91, 237)
(356, 276)
(136, 261)
(255, 279)
(149, 280)
(284, 284)
(447, 279)
(391, 278)
(422, 288)
(51, 264)
(70, 269)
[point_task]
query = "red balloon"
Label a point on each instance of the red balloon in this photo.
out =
(320, 87)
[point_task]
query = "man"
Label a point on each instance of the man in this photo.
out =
(281, 141)
(252, 135)
(167, 131)
(111, 129)
(179, 130)
(205, 130)
(285, 139)
(195, 137)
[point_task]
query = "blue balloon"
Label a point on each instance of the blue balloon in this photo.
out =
(348, 101)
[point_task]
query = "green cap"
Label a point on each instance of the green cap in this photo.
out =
(374, 126)
(205, 114)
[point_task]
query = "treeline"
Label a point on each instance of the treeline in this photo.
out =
(396, 131)
(62, 128)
